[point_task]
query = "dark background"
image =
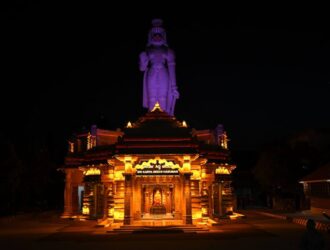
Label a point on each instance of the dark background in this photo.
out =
(261, 71)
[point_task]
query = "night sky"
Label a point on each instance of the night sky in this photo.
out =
(264, 75)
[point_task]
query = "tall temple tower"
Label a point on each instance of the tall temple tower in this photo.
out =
(156, 169)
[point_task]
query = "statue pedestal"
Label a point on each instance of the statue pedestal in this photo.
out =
(158, 210)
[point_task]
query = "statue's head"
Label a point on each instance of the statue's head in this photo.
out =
(157, 34)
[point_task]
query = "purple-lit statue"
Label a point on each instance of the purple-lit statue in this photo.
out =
(158, 64)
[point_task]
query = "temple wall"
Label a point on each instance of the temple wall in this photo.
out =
(137, 198)
(190, 196)
(73, 178)
(119, 194)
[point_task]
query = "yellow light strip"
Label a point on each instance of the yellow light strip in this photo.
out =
(92, 171)
(222, 170)
(149, 163)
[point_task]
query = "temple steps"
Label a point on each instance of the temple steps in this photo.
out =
(158, 222)
(132, 229)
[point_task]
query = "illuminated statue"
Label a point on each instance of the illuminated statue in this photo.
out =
(157, 198)
(158, 64)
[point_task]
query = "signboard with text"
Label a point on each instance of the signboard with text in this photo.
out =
(158, 167)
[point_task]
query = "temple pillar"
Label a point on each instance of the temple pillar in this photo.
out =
(107, 194)
(221, 210)
(224, 194)
(106, 200)
(146, 200)
(187, 194)
(211, 200)
(68, 194)
(127, 200)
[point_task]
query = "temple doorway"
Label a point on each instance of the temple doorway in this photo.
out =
(157, 201)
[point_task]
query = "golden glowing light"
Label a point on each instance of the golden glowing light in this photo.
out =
(186, 163)
(196, 175)
(128, 164)
(184, 124)
(92, 171)
(89, 141)
(85, 210)
(197, 215)
(129, 125)
(111, 212)
(236, 216)
(150, 163)
(156, 107)
(222, 170)
(119, 175)
(71, 147)
(229, 209)
(203, 175)
(204, 211)
(224, 140)
(118, 215)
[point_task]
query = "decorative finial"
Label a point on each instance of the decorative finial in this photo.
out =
(157, 107)
(224, 140)
(129, 125)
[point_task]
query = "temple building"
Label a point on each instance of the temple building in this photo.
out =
(155, 168)
(317, 189)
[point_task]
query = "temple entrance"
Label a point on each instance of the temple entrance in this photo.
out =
(157, 201)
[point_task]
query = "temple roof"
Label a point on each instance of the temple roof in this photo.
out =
(157, 132)
(157, 123)
(320, 174)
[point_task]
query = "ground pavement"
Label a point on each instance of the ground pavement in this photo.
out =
(255, 232)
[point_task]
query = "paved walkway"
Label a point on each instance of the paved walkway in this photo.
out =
(322, 223)
(256, 231)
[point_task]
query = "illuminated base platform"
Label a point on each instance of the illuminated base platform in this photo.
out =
(159, 229)
(74, 217)
(149, 216)
(236, 216)
(157, 223)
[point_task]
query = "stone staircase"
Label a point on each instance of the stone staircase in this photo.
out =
(136, 229)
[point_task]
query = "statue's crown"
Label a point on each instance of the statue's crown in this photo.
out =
(157, 22)
(157, 29)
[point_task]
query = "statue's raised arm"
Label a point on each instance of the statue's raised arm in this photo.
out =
(158, 64)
